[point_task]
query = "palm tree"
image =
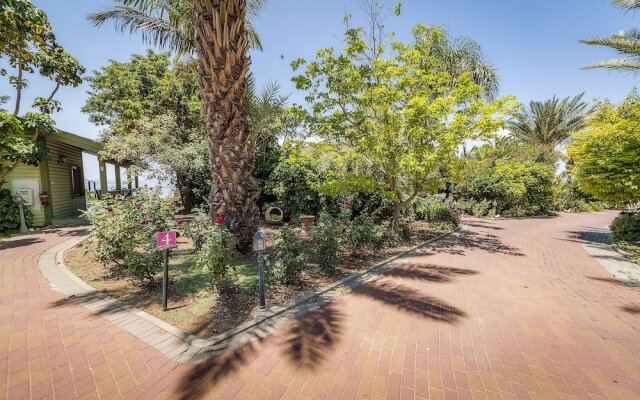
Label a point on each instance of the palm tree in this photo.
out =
(546, 125)
(215, 31)
(626, 42)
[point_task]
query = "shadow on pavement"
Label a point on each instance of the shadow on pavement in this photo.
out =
(312, 335)
(483, 225)
(410, 300)
(427, 272)
(615, 281)
(590, 235)
(468, 240)
(635, 309)
(24, 241)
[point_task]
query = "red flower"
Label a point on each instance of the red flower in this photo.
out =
(180, 221)
(138, 206)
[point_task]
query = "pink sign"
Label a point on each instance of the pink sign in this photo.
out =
(166, 240)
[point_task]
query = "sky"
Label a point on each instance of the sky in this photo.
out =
(533, 44)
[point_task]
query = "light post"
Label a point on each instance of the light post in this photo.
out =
(23, 225)
(258, 247)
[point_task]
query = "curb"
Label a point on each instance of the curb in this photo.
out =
(184, 347)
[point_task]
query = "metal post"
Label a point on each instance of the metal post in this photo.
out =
(263, 306)
(165, 278)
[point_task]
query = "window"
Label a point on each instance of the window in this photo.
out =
(77, 185)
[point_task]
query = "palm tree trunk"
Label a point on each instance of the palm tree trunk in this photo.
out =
(223, 63)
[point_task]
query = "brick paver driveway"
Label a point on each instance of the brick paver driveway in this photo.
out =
(510, 309)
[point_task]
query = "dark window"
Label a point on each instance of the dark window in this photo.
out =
(76, 182)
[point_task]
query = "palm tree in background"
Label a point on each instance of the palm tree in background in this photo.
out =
(218, 33)
(626, 42)
(546, 125)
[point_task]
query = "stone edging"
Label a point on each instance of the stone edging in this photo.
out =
(182, 346)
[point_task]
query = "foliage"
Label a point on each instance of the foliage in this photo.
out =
(326, 236)
(10, 212)
(625, 42)
(572, 199)
(435, 209)
(197, 228)
(27, 44)
(548, 124)
(606, 155)
(403, 115)
(360, 233)
(216, 254)
(294, 183)
(289, 256)
(511, 187)
(125, 228)
(626, 228)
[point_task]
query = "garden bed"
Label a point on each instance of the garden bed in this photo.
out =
(196, 306)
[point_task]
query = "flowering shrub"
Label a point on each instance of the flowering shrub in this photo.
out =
(289, 256)
(360, 234)
(216, 251)
(125, 228)
(197, 228)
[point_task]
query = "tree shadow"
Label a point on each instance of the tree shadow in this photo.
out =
(467, 240)
(591, 235)
(633, 309)
(21, 242)
(482, 225)
(427, 272)
(616, 282)
(203, 377)
(410, 300)
(311, 335)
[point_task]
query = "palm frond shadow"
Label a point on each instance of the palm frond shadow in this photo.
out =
(468, 240)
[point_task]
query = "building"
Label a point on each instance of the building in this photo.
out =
(59, 180)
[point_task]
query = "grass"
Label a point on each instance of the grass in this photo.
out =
(9, 233)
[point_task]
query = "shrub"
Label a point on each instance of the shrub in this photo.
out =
(289, 256)
(404, 232)
(124, 231)
(326, 237)
(197, 229)
(361, 233)
(626, 228)
(10, 213)
(216, 253)
(437, 210)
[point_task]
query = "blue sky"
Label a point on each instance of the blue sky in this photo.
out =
(533, 44)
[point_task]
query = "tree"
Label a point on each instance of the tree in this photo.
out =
(546, 125)
(404, 114)
(218, 38)
(28, 45)
(152, 112)
(606, 154)
(626, 42)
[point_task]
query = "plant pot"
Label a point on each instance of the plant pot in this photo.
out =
(307, 222)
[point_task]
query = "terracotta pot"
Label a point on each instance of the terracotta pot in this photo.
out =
(307, 222)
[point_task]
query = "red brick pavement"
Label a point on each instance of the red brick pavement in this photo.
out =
(511, 309)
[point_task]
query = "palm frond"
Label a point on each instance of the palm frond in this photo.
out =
(627, 4)
(620, 64)
(626, 42)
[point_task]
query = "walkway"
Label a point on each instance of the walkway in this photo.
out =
(510, 309)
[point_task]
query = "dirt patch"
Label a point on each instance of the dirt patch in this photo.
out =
(196, 306)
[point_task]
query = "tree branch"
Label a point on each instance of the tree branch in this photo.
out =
(18, 89)
(54, 90)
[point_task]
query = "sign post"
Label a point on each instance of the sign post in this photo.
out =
(165, 240)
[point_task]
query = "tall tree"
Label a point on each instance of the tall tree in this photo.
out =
(401, 113)
(28, 44)
(625, 42)
(546, 125)
(215, 31)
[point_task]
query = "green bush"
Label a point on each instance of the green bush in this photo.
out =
(197, 228)
(125, 231)
(289, 256)
(626, 228)
(10, 213)
(437, 210)
(361, 233)
(404, 232)
(216, 253)
(326, 238)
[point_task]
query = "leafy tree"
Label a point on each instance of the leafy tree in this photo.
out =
(28, 44)
(546, 125)
(215, 32)
(626, 42)
(403, 114)
(606, 154)
(152, 112)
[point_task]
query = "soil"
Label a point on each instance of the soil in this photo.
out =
(196, 306)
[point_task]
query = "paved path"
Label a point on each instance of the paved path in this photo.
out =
(510, 309)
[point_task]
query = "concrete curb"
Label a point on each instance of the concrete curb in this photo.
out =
(184, 347)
